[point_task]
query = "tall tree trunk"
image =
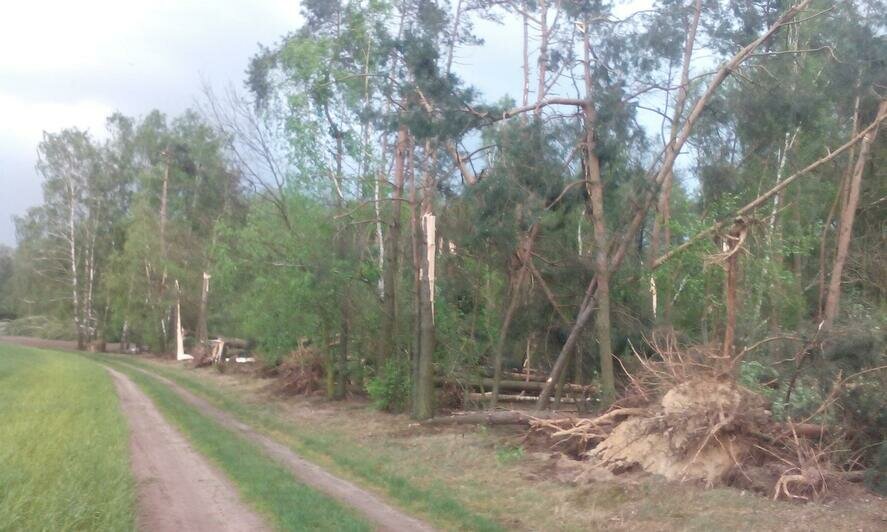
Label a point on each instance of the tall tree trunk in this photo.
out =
(416, 325)
(661, 233)
(595, 187)
(341, 370)
(518, 278)
(542, 58)
(526, 54)
(72, 249)
(523, 254)
(845, 229)
(88, 309)
(388, 338)
(202, 333)
(424, 406)
(164, 192)
(839, 202)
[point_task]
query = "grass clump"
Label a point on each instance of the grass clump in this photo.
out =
(64, 461)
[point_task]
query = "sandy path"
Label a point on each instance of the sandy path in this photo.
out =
(371, 507)
(177, 488)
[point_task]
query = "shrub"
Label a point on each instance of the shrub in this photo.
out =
(45, 327)
(389, 389)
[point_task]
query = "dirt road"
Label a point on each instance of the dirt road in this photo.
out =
(177, 488)
(373, 508)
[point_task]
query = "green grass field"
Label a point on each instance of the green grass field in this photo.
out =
(63, 445)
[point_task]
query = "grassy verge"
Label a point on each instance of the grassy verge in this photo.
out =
(337, 454)
(262, 482)
(63, 445)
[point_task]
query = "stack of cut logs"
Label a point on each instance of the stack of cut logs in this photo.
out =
(516, 387)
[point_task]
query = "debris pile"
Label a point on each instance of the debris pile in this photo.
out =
(302, 373)
(698, 425)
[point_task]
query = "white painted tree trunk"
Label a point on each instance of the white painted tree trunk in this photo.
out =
(72, 241)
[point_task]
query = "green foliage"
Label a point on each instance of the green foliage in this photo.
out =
(275, 280)
(768, 382)
(46, 327)
(389, 388)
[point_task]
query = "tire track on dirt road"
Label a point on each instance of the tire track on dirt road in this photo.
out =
(382, 515)
(177, 488)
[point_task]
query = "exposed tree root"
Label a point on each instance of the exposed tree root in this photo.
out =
(702, 428)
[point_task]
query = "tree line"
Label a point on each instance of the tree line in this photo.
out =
(711, 168)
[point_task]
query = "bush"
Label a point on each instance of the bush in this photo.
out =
(44, 327)
(389, 389)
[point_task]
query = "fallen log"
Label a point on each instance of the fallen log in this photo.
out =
(510, 398)
(238, 343)
(499, 417)
(533, 377)
(524, 386)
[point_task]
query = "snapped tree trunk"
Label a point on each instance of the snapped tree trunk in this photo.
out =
(731, 246)
(424, 401)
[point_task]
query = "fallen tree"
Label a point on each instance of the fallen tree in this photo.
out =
(511, 398)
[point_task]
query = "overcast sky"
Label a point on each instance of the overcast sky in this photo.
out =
(71, 63)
